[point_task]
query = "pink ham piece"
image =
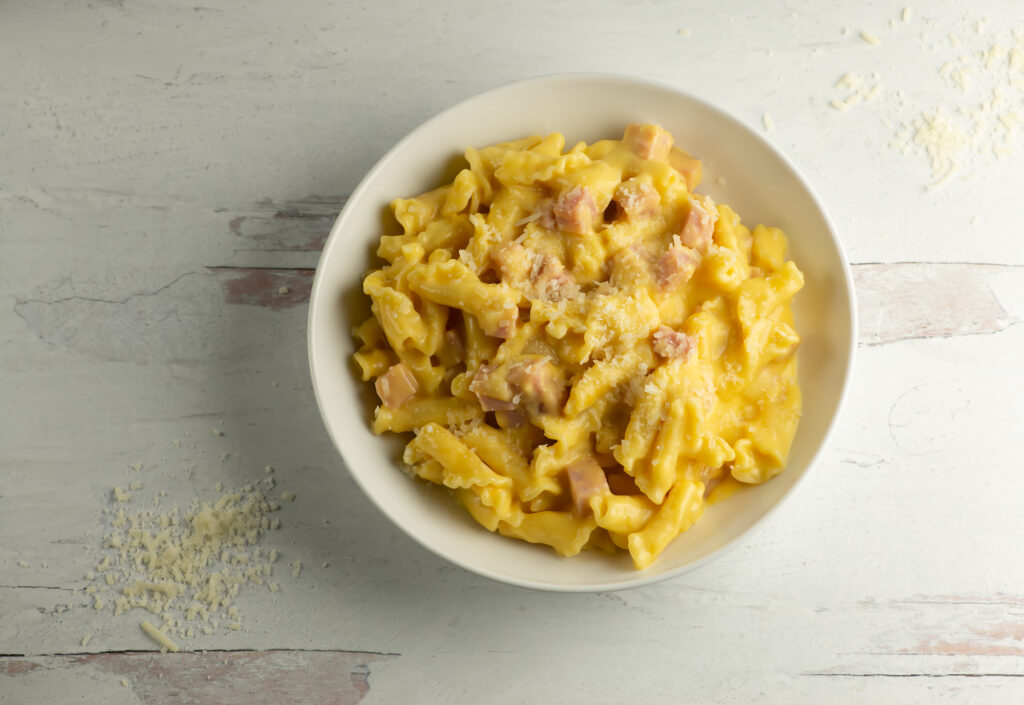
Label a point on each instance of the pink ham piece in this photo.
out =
(553, 281)
(700, 225)
(637, 199)
(485, 385)
(575, 210)
(396, 386)
(513, 262)
(507, 325)
(648, 141)
(673, 345)
(510, 419)
(677, 265)
(540, 384)
(689, 167)
(586, 480)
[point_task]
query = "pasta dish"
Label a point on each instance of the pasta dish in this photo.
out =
(581, 345)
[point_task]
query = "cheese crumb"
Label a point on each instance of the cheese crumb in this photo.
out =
(684, 32)
(870, 38)
(217, 431)
(908, 13)
(86, 639)
(296, 568)
(769, 123)
(283, 291)
(186, 565)
(158, 636)
(288, 496)
(23, 564)
(121, 495)
(124, 683)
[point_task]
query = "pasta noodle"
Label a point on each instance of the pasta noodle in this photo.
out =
(582, 346)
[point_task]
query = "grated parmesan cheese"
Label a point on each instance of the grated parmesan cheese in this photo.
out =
(870, 38)
(184, 565)
(769, 123)
(158, 636)
(980, 128)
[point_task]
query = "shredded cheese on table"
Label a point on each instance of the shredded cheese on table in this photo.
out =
(186, 566)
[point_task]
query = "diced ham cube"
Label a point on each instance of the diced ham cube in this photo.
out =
(492, 404)
(648, 141)
(513, 262)
(530, 381)
(677, 265)
(637, 199)
(586, 480)
(689, 167)
(507, 325)
(700, 225)
(553, 282)
(673, 345)
(396, 386)
(575, 210)
(514, 418)
(540, 383)
(492, 389)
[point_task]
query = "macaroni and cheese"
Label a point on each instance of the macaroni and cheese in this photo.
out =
(582, 346)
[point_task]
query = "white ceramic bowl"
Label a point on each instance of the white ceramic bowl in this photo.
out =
(760, 184)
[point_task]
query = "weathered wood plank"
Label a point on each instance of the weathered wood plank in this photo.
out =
(915, 300)
(271, 288)
(223, 677)
(291, 225)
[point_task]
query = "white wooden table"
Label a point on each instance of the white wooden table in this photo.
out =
(166, 168)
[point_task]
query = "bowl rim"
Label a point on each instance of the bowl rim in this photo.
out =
(640, 578)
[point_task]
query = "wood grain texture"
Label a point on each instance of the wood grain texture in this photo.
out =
(294, 225)
(223, 677)
(272, 288)
(168, 168)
